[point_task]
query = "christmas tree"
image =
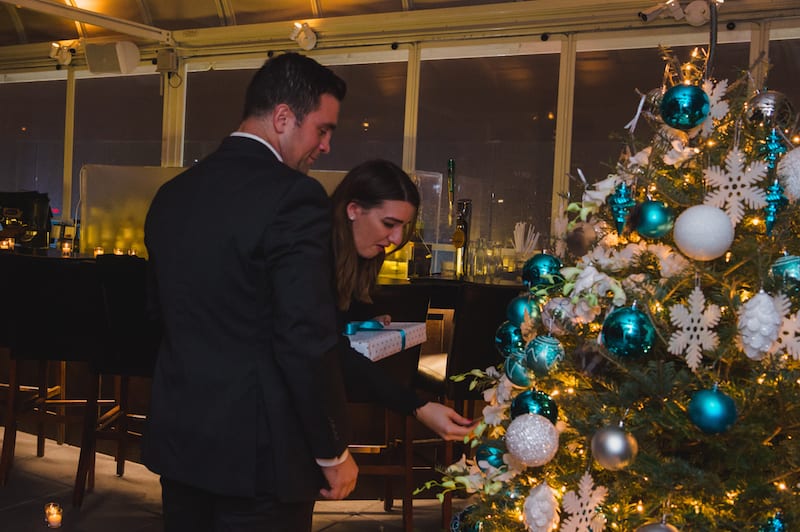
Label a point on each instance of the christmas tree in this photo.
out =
(653, 381)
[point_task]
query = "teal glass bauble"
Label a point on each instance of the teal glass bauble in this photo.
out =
(541, 271)
(516, 309)
(466, 520)
(490, 452)
(535, 402)
(684, 106)
(543, 353)
(508, 339)
(628, 332)
(517, 371)
(712, 411)
(785, 272)
(652, 219)
(776, 523)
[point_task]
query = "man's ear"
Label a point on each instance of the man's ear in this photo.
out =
(282, 117)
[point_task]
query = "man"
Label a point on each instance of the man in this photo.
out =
(247, 418)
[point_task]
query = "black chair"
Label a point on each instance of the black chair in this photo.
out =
(53, 314)
(129, 348)
(478, 311)
(392, 452)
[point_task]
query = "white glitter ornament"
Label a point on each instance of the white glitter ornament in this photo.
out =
(541, 509)
(532, 439)
(759, 325)
(789, 173)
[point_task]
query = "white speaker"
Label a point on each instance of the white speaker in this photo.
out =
(120, 57)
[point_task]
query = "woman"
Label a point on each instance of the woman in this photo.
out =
(375, 206)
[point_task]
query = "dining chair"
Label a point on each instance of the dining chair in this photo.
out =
(129, 347)
(478, 310)
(53, 314)
(390, 454)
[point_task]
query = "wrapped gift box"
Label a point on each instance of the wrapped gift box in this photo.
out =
(381, 343)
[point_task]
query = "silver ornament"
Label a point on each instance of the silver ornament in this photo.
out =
(766, 111)
(532, 439)
(613, 448)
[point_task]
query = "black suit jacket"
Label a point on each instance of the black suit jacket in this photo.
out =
(247, 389)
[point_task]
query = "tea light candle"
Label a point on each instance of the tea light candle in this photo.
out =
(7, 243)
(53, 514)
(98, 251)
(66, 249)
(118, 251)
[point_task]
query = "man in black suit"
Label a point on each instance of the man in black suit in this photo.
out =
(247, 420)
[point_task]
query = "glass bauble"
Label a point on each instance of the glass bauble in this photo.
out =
(628, 332)
(684, 106)
(712, 411)
(534, 402)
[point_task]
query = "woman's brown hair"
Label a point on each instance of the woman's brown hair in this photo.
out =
(368, 185)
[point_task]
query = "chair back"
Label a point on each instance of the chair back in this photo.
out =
(55, 308)
(480, 309)
(131, 339)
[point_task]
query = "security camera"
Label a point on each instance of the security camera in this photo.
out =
(652, 13)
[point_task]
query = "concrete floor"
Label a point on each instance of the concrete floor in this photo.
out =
(132, 503)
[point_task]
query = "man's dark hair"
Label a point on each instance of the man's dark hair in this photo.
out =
(295, 80)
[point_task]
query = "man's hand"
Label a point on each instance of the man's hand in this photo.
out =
(341, 479)
(444, 421)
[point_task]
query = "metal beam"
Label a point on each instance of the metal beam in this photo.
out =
(127, 27)
(22, 37)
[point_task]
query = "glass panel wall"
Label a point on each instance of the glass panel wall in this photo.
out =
(117, 121)
(784, 58)
(32, 137)
(495, 117)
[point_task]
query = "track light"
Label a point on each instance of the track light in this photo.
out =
(62, 54)
(304, 36)
(671, 7)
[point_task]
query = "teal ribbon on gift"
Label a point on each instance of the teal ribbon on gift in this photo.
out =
(373, 326)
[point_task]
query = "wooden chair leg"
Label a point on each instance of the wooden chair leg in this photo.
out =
(41, 407)
(85, 474)
(122, 423)
(408, 477)
(447, 502)
(10, 430)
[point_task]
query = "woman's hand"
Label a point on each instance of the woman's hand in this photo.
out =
(444, 421)
(383, 319)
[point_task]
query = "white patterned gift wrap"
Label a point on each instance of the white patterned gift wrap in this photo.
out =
(381, 343)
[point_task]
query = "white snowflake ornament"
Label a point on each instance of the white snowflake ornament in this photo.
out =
(718, 107)
(759, 324)
(541, 509)
(736, 185)
(695, 324)
(788, 340)
(789, 173)
(582, 508)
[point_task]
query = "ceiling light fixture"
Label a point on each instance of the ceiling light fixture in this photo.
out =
(304, 36)
(62, 54)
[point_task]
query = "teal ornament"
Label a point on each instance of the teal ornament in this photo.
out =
(541, 271)
(621, 202)
(517, 371)
(543, 353)
(628, 332)
(775, 202)
(684, 106)
(508, 339)
(652, 219)
(515, 312)
(712, 411)
(535, 402)
(771, 149)
(785, 272)
(492, 453)
(775, 523)
(466, 520)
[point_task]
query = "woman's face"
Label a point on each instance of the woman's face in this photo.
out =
(375, 229)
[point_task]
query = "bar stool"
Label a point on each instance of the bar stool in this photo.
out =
(54, 310)
(130, 344)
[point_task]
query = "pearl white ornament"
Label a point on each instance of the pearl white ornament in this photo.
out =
(532, 439)
(789, 173)
(759, 325)
(703, 232)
